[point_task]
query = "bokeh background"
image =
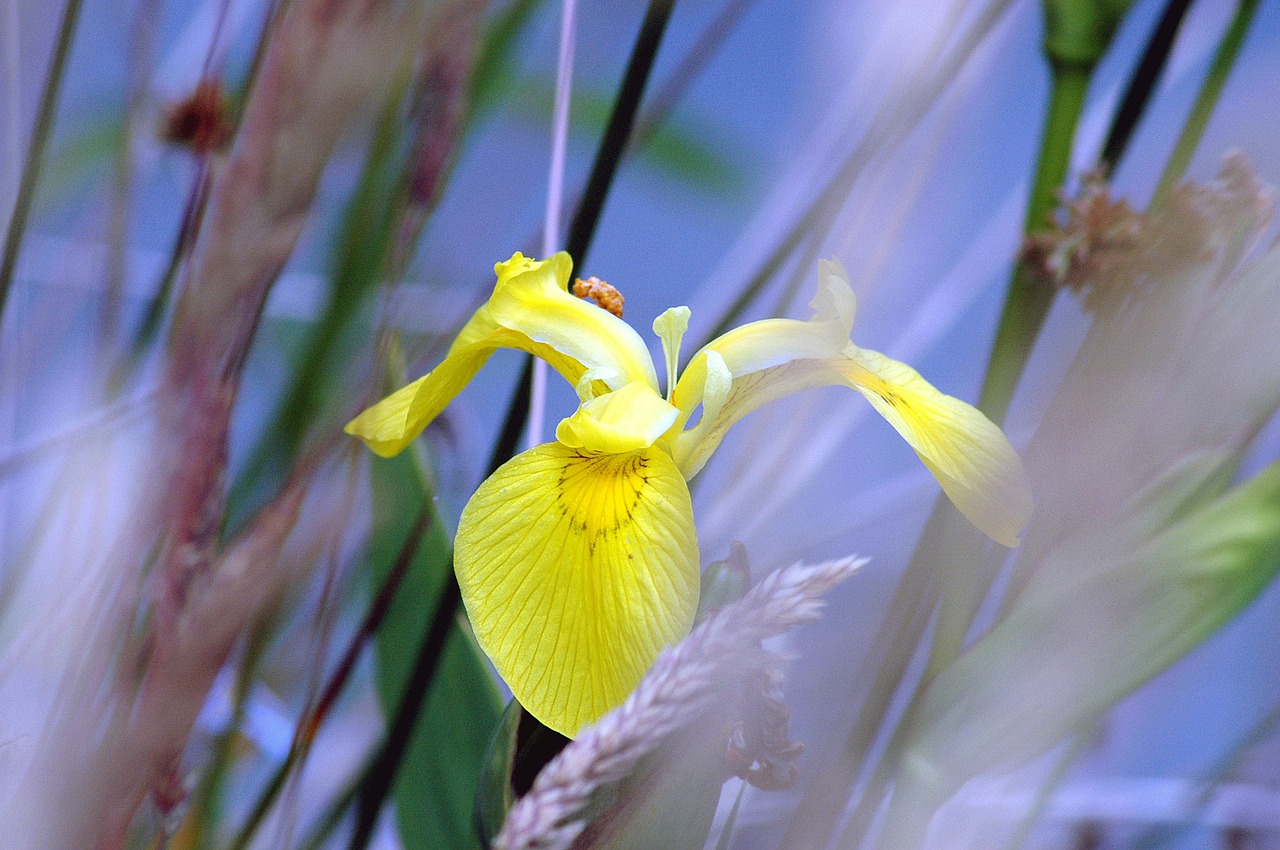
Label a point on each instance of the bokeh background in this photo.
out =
(928, 231)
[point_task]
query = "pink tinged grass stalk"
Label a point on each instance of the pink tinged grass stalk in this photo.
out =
(685, 683)
(327, 59)
(443, 77)
(244, 583)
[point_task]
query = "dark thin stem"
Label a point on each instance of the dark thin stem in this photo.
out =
(513, 423)
(376, 784)
(673, 90)
(618, 130)
(1142, 84)
(310, 724)
(35, 152)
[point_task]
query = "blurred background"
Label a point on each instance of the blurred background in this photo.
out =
(764, 104)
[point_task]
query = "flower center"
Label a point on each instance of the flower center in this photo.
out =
(599, 493)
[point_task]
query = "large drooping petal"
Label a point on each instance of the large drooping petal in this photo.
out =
(968, 454)
(530, 310)
(576, 570)
(764, 361)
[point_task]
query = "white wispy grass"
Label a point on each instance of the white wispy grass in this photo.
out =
(685, 682)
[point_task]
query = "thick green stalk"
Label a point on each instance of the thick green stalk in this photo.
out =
(1028, 300)
(35, 152)
(1223, 61)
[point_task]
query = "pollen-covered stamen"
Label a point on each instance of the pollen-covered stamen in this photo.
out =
(605, 295)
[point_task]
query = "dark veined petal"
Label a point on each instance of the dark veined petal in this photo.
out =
(576, 570)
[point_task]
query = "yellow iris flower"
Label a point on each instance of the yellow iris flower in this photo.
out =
(578, 559)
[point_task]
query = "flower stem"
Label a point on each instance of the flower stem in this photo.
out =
(1223, 61)
(1028, 300)
(35, 153)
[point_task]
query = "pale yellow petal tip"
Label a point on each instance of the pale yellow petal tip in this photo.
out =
(835, 299)
(389, 426)
(559, 265)
(380, 444)
(996, 497)
(1020, 504)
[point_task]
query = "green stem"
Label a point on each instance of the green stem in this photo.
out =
(1223, 61)
(1028, 300)
(35, 153)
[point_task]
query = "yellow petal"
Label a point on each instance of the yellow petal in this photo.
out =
(576, 570)
(391, 424)
(761, 346)
(773, 342)
(968, 454)
(530, 310)
(533, 301)
(621, 421)
(763, 361)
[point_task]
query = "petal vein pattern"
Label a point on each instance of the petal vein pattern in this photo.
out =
(576, 570)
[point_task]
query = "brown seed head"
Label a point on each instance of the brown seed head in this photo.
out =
(202, 121)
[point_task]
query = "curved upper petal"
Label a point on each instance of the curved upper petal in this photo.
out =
(529, 310)
(576, 570)
(773, 342)
(531, 298)
(764, 361)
